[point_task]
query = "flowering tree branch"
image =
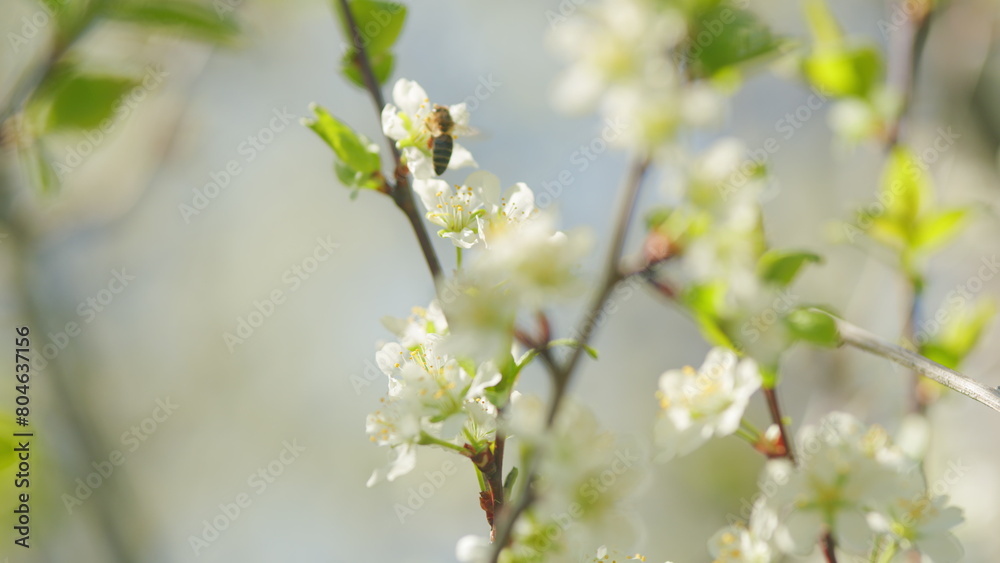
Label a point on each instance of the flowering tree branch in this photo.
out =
(400, 189)
(562, 373)
(864, 340)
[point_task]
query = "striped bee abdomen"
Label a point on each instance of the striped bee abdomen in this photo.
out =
(443, 145)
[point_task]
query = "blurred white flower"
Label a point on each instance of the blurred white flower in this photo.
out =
(845, 471)
(613, 43)
(407, 121)
(697, 405)
(584, 477)
(533, 262)
(737, 544)
(924, 524)
(621, 63)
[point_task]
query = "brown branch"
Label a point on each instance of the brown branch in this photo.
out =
(400, 190)
(561, 374)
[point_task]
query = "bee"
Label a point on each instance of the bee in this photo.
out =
(442, 142)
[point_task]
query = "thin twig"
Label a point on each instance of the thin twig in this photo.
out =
(400, 190)
(864, 340)
(561, 374)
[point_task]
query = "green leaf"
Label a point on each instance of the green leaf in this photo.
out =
(499, 394)
(379, 23)
(960, 334)
(822, 23)
(381, 63)
(358, 159)
(705, 299)
(184, 17)
(815, 327)
(508, 483)
(726, 36)
(904, 195)
(779, 267)
(936, 229)
(843, 71)
(84, 101)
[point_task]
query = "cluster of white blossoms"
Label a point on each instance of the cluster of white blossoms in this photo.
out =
(408, 121)
(428, 389)
(621, 63)
(853, 483)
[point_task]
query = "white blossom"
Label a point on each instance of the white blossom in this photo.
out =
(845, 471)
(697, 405)
(468, 211)
(737, 544)
(414, 330)
(533, 262)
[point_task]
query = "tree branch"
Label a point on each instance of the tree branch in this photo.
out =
(400, 190)
(561, 374)
(864, 340)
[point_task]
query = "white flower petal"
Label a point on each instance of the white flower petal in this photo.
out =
(410, 97)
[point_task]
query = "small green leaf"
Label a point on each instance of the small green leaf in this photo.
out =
(960, 334)
(705, 299)
(822, 23)
(184, 17)
(508, 483)
(815, 327)
(358, 159)
(84, 101)
(905, 194)
(726, 37)
(499, 394)
(843, 71)
(936, 229)
(381, 63)
(779, 267)
(379, 23)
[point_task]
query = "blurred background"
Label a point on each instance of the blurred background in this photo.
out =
(256, 448)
